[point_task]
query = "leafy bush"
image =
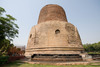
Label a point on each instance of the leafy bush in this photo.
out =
(3, 59)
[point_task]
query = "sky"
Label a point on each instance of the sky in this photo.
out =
(84, 14)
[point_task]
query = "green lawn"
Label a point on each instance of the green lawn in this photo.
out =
(20, 64)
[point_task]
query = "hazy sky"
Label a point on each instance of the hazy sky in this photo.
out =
(84, 14)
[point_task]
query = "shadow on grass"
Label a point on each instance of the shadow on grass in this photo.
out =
(13, 64)
(18, 63)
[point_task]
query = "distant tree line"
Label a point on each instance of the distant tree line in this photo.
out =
(93, 48)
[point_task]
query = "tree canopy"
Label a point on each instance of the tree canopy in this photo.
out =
(8, 29)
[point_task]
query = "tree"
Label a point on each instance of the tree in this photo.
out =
(8, 30)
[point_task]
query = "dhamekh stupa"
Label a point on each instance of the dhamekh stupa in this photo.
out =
(54, 38)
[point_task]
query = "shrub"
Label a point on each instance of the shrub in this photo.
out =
(3, 59)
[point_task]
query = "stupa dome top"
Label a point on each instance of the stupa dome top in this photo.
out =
(52, 12)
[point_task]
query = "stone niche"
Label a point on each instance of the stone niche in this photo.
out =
(54, 37)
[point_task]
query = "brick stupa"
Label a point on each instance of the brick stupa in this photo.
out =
(54, 38)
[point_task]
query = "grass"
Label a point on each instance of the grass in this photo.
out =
(21, 64)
